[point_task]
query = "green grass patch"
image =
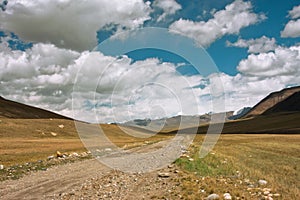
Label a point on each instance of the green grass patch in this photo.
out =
(211, 165)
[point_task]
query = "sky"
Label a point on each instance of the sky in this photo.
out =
(49, 56)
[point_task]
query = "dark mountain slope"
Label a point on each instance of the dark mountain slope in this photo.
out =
(281, 123)
(291, 104)
(270, 101)
(14, 110)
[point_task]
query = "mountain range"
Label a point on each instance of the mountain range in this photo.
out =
(268, 115)
(279, 112)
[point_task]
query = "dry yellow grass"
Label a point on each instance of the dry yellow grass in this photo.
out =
(275, 158)
(27, 140)
(18, 151)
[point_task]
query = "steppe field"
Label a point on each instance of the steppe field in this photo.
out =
(248, 166)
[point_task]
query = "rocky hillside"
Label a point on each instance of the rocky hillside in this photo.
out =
(291, 104)
(272, 100)
(11, 109)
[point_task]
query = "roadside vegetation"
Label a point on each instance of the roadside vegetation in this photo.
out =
(239, 162)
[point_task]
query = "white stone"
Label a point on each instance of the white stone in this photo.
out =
(163, 175)
(61, 126)
(213, 197)
(74, 154)
(50, 157)
(262, 182)
(227, 196)
(1, 167)
(53, 134)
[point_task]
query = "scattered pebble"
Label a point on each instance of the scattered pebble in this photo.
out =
(53, 134)
(227, 196)
(184, 156)
(84, 154)
(163, 175)
(50, 157)
(213, 197)
(18, 171)
(170, 166)
(61, 126)
(1, 167)
(266, 192)
(59, 155)
(262, 182)
(74, 154)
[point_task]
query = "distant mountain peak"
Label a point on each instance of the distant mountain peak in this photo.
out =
(240, 113)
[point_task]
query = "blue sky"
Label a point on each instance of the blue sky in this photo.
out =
(227, 58)
(46, 51)
(276, 13)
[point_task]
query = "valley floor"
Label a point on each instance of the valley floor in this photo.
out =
(245, 166)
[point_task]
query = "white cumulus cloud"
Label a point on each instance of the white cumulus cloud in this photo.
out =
(295, 12)
(119, 90)
(243, 91)
(71, 24)
(259, 45)
(283, 62)
(292, 28)
(169, 7)
(231, 20)
(44, 76)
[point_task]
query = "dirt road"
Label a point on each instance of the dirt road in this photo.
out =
(58, 179)
(65, 178)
